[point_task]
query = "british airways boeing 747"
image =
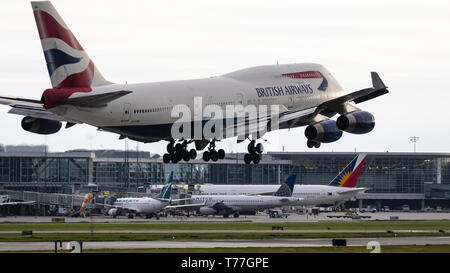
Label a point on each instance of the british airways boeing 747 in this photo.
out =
(244, 104)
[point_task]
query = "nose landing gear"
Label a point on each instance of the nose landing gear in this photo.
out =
(311, 143)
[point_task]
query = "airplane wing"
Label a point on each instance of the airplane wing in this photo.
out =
(18, 203)
(221, 207)
(378, 88)
(353, 191)
(186, 206)
(261, 193)
(257, 123)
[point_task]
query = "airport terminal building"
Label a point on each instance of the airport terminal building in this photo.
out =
(418, 179)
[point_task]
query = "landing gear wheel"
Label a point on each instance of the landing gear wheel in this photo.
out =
(256, 158)
(186, 155)
(176, 157)
(166, 158)
(248, 158)
(221, 153)
(206, 156)
(310, 143)
(251, 147)
(214, 155)
(178, 147)
(259, 148)
(170, 147)
(193, 154)
(317, 145)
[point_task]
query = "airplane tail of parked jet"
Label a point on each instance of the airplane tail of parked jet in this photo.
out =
(287, 188)
(166, 191)
(68, 64)
(348, 177)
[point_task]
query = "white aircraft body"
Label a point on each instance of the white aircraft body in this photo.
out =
(4, 201)
(342, 187)
(305, 94)
(233, 204)
(148, 206)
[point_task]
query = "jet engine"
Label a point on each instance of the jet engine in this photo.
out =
(113, 212)
(207, 211)
(40, 126)
(324, 131)
(358, 122)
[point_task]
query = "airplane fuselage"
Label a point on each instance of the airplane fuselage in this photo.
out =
(146, 112)
(142, 205)
(238, 203)
(311, 194)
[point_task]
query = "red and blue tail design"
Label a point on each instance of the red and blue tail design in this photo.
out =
(348, 177)
(68, 64)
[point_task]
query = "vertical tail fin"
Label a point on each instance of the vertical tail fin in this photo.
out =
(287, 188)
(348, 177)
(166, 191)
(68, 64)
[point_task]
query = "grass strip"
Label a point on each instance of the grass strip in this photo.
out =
(199, 236)
(348, 249)
(323, 225)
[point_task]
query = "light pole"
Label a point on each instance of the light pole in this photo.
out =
(414, 139)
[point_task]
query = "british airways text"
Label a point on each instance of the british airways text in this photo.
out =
(272, 91)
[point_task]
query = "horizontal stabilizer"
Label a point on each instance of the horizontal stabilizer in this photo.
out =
(14, 100)
(38, 112)
(353, 191)
(100, 100)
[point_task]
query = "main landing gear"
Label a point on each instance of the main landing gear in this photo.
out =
(254, 153)
(178, 152)
(212, 154)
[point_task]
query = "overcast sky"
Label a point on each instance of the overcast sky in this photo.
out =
(406, 42)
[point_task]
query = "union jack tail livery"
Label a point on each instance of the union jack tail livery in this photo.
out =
(68, 64)
(348, 177)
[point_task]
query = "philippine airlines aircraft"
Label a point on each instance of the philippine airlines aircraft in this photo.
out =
(304, 94)
(148, 206)
(233, 204)
(342, 187)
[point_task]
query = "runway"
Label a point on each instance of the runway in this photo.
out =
(231, 243)
(436, 239)
(293, 217)
(175, 231)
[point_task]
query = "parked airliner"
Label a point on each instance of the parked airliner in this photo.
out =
(148, 206)
(5, 201)
(233, 204)
(260, 99)
(342, 187)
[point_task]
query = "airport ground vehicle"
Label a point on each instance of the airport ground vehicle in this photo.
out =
(277, 213)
